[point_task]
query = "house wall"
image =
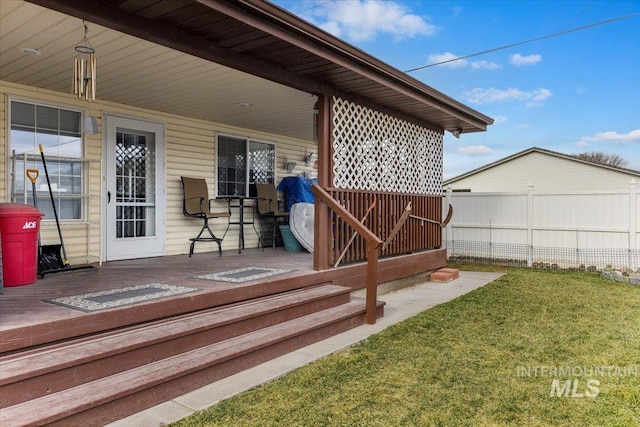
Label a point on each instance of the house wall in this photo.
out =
(190, 150)
(548, 173)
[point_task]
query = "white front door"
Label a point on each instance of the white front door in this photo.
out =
(135, 191)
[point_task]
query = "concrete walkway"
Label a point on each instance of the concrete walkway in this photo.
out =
(401, 304)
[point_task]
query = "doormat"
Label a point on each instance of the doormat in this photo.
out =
(102, 300)
(242, 275)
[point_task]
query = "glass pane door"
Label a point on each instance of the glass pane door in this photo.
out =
(134, 189)
(135, 184)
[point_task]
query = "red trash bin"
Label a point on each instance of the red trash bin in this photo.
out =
(19, 228)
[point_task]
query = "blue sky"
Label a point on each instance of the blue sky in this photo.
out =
(571, 93)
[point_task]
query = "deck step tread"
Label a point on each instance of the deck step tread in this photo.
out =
(83, 397)
(20, 366)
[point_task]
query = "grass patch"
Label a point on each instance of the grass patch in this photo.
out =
(461, 363)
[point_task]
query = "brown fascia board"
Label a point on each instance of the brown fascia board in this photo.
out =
(286, 26)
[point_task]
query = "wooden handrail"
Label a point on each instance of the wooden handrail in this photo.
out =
(373, 248)
(354, 222)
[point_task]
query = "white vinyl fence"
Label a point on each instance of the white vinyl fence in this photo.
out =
(578, 230)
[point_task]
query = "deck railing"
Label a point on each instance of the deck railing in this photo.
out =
(411, 235)
(373, 244)
(369, 224)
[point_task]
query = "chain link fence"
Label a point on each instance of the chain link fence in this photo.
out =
(519, 255)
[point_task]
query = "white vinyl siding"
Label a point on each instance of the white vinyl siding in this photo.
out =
(549, 173)
(190, 150)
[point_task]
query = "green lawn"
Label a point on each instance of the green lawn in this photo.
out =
(467, 362)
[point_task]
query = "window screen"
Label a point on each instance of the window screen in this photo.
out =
(59, 131)
(242, 163)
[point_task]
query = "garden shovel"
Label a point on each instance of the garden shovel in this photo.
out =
(32, 174)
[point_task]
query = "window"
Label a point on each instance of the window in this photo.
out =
(236, 175)
(60, 134)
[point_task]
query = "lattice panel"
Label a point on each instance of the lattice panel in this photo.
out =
(377, 152)
(262, 165)
(134, 185)
(132, 167)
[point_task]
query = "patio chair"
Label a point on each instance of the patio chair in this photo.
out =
(196, 204)
(267, 205)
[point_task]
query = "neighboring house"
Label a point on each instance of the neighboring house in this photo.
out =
(547, 171)
(205, 89)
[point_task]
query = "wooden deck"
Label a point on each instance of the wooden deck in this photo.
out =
(24, 307)
(61, 366)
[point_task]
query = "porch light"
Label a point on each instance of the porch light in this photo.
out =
(91, 125)
(310, 158)
(27, 51)
(84, 69)
(456, 132)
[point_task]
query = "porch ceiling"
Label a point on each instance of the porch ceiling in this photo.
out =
(241, 51)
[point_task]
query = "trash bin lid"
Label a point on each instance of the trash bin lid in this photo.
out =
(18, 210)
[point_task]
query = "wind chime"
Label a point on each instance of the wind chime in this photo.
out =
(84, 69)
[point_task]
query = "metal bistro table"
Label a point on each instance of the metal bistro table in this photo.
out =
(237, 201)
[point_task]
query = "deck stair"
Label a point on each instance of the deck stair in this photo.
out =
(101, 378)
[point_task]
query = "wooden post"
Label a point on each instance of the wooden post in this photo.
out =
(372, 282)
(322, 228)
(373, 247)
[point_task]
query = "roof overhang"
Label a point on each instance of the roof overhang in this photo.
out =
(259, 38)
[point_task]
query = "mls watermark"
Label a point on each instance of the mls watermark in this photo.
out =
(583, 381)
(573, 386)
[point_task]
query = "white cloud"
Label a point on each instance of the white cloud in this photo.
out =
(492, 95)
(436, 58)
(611, 137)
(359, 20)
(474, 150)
(518, 60)
(485, 65)
(499, 119)
(539, 96)
(457, 10)
(332, 28)
(524, 126)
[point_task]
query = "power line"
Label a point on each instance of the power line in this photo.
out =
(314, 7)
(608, 21)
(516, 70)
